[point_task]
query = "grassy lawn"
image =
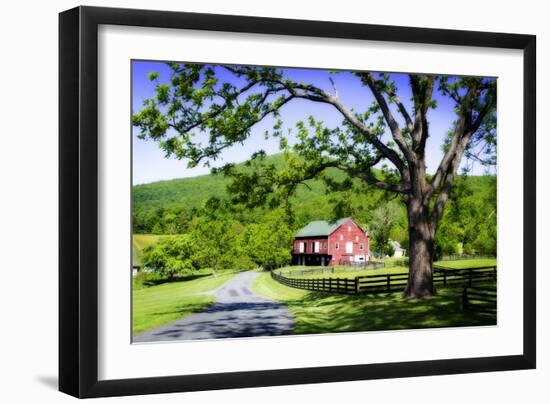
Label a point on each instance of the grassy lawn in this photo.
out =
(344, 272)
(156, 305)
(468, 263)
(321, 313)
(391, 260)
(339, 272)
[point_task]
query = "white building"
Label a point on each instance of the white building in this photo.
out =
(399, 251)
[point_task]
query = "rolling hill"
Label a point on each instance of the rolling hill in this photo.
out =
(164, 198)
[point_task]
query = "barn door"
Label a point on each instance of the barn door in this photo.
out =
(349, 247)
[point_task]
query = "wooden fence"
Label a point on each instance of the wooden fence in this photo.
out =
(384, 283)
(467, 276)
(331, 285)
(479, 299)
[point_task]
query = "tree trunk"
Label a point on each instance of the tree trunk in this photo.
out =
(421, 250)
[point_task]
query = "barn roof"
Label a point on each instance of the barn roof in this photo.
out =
(320, 228)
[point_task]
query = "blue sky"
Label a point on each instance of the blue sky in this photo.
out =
(149, 163)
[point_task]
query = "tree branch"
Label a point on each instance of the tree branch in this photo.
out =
(370, 179)
(374, 140)
(316, 94)
(422, 88)
(464, 128)
(443, 196)
(403, 111)
(216, 150)
(388, 116)
(364, 173)
(451, 161)
(227, 100)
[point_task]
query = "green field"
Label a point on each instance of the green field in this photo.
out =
(322, 313)
(157, 302)
(342, 272)
(156, 305)
(339, 272)
(391, 260)
(468, 263)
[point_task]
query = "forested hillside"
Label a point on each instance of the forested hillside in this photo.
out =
(469, 223)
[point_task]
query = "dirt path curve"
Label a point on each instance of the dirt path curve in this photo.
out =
(237, 312)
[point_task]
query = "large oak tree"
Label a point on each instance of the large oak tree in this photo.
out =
(204, 109)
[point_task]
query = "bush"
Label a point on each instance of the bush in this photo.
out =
(170, 257)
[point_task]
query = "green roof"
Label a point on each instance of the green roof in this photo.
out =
(320, 228)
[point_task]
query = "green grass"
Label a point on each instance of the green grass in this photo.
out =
(339, 272)
(157, 305)
(140, 242)
(323, 313)
(468, 263)
(390, 260)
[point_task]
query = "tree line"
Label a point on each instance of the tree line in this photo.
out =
(221, 236)
(218, 241)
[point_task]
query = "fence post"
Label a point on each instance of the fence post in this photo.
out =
(464, 298)
(495, 274)
(444, 278)
(357, 285)
(330, 284)
(470, 277)
(388, 282)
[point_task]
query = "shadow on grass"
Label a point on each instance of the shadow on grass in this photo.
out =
(184, 309)
(322, 313)
(152, 281)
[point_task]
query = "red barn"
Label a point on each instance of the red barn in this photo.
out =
(323, 243)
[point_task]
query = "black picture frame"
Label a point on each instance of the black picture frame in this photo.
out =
(78, 201)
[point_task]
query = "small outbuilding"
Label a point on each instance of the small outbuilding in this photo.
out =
(398, 250)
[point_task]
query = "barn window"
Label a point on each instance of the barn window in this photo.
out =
(325, 244)
(361, 246)
(301, 247)
(356, 238)
(349, 228)
(341, 237)
(336, 246)
(316, 246)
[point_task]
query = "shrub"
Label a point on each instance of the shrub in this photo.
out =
(170, 257)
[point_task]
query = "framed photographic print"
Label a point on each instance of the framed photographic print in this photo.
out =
(251, 201)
